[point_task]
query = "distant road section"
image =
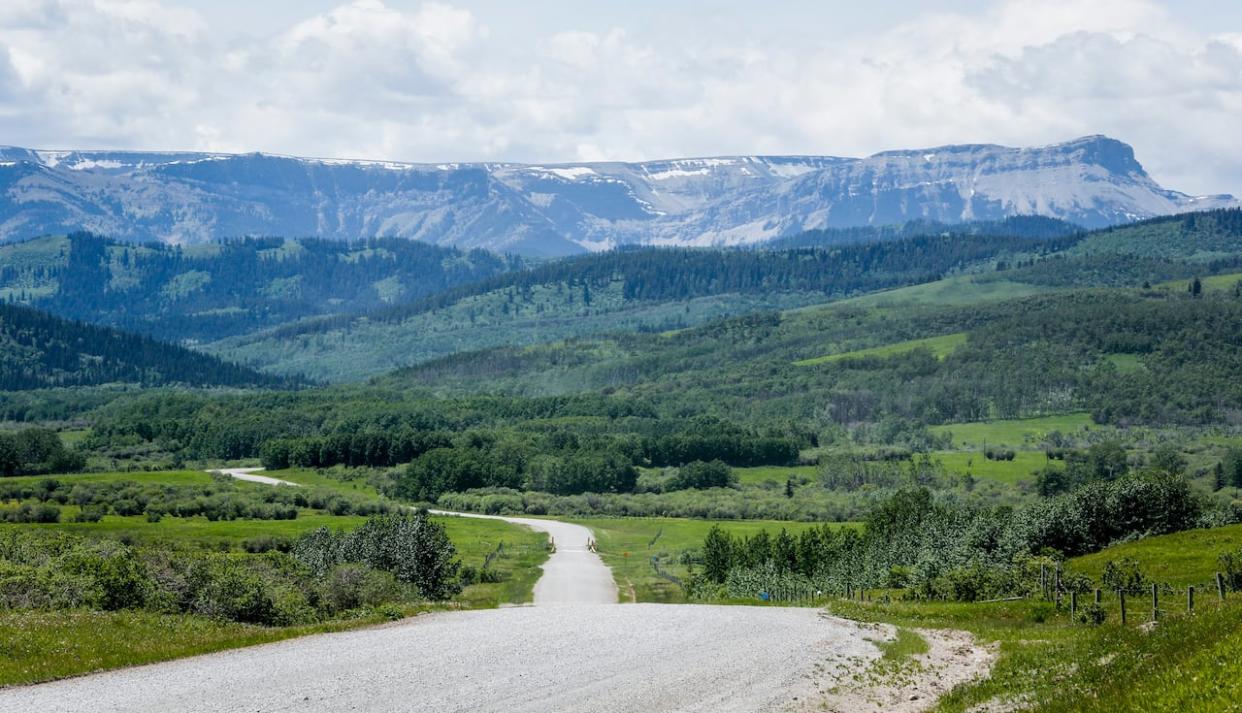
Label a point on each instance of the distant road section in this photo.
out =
(607, 659)
(248, 474)
(573, 574)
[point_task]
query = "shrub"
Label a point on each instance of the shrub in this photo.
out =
(267, 543)
(1123, 575)
(90, 513)
(414, 549)
(1231, 568)
(1092, 613)
(224, 589)
(352, 586)
(30, 587)
(698, 475)
(120, 577)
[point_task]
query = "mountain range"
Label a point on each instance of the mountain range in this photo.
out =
(564, 209)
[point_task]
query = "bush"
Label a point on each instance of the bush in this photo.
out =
(1092, 613)
(353, 586)
(1123, 575)
(698, 475)
(267, 543)
(30, 513)
(30, 587)
(414, 549)
(90, 513)
(1231, 568)
(119, 576)
(225, 589)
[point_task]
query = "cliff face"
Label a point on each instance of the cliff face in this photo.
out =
(567, 208)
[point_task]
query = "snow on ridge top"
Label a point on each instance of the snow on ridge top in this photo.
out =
(84, 164)
(51, 158)
(570, 173)
(387, 165)
(677, 173)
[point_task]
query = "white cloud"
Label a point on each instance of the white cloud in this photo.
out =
(434, 84)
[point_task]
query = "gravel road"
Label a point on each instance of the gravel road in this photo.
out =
(249, 474)
(581, 656)
(573, 574)
(639, 657)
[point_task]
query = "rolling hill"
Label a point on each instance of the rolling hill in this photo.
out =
(38, 351)
(204, 292)
(650, 289)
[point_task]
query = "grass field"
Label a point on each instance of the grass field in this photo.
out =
(1014, 433)
(1180, 559)
(1021, 467)
(1209, 283)
(165, 477)
(664, 539)
(1126, 363)
(940, 346)
(1051, 664)
(774, 474)
(312, 478)
(524, 550)
(40, 646)
(959, 290)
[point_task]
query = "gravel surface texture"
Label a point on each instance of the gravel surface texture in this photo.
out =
(642, 657)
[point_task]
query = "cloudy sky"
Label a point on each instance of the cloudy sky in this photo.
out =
(568, 80)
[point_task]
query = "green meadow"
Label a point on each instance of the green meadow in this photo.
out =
(1014, 433)
(940, 347)
(629, 546)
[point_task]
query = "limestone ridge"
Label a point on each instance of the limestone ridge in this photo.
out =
(560, 209)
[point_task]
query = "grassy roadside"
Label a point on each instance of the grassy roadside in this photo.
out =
(1051, 665)
(672, 543)
(36, 647)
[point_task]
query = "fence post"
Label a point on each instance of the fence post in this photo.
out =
(1190, 599)
(1097, 596)
(1220, 586)
(1043, 579)
(1121, 596)
(1073, 605)
(1155, 603)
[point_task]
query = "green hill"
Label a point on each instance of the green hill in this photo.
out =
(38, 351)
(647, 290)
(844, 363)
(206, 292)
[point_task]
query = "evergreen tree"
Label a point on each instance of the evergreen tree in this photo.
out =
(717, 555)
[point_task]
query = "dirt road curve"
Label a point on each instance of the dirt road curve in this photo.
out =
(582, 656)
(573, 574)
(640, 657)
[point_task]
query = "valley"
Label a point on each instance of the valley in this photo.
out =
(904, 431)
(410, 356)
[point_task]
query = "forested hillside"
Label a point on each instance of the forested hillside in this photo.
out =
(205, 292)
(38, 350)
(1019, 226)
(636, 290)
(1126, 356)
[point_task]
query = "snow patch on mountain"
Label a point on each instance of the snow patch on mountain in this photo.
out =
(557, 209)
